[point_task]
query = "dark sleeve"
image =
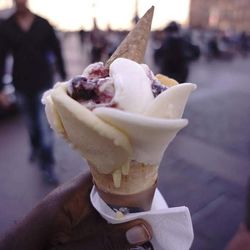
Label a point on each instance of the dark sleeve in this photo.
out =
(3, 54)
(55, 46)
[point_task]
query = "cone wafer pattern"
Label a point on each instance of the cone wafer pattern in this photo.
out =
(136, 190)
(133, 47)
(140, 177)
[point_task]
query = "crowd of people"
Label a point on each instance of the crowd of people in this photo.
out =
(174, 47)
(222, 45)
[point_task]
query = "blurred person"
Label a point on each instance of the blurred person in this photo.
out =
(213, 47)
(30, 39)
(220, 45)
(113, 40)
(66, 220)
(175, 53)
(98, 43)
(82, 36)
(243, 43)
(241, 240)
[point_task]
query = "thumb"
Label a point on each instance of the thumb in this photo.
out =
(115, 237)
(126, 235)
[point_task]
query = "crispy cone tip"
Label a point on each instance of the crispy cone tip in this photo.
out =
(134, 45)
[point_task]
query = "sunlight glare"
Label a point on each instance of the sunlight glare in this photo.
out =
(118, 14)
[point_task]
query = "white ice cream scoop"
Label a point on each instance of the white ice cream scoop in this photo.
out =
(132, 86)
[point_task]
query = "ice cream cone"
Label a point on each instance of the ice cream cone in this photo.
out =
(134, 45)
(123, 148)
(133, 191)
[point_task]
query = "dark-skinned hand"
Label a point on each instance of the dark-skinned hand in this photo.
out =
(65, 219)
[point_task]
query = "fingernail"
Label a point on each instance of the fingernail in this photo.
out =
(138, 234)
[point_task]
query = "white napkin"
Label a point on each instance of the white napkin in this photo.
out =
(172, 227)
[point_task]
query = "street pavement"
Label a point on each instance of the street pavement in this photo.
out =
(205, 168)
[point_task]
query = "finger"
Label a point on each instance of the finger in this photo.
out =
(122, 236)
(132, 233)
(71, 200)
(63, 208)
(71, 195)
(114, 237)
(81, 183)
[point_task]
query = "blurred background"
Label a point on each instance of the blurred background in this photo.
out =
(207, 166)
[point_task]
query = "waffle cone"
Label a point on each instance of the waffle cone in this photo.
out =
(134, 45)
(136, 190)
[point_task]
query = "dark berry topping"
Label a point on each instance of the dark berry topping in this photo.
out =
(80, 88)
(157, 88)
(92, 92)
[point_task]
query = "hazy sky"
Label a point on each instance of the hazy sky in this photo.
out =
(73, 14)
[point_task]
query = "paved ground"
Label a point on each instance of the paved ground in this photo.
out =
(205, 168)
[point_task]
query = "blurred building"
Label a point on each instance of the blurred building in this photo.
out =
(222, 14)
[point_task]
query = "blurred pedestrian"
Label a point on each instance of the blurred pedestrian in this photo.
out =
(113, 39)
(213, 48)
(244, 43)
(82, 36)
(66, 220)
(175, 53)
(30, 39)
(98, 43)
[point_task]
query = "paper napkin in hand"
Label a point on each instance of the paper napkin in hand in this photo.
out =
(172, 227)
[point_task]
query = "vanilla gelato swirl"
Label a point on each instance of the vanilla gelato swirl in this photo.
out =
(133, 90)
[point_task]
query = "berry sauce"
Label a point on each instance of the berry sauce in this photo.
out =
(100, 72)
(80, 88)
(157, 88)
(95, 88)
